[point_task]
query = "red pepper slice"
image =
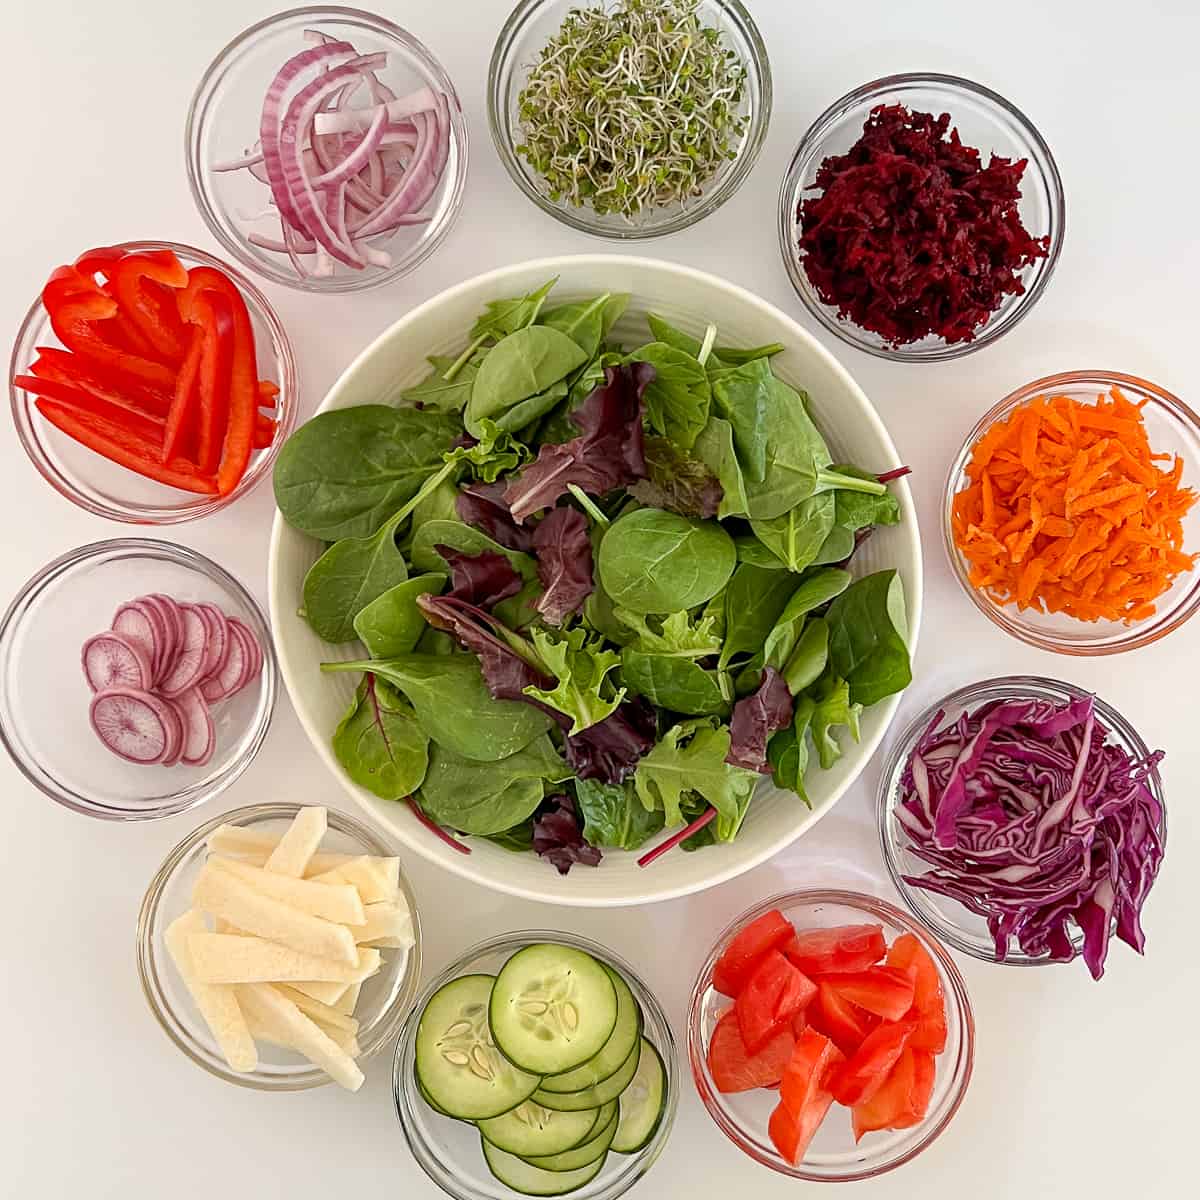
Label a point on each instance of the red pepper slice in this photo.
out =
(216, 311)
(65, 367)
(145, 425)
(125, 448)
(152, 308)
(268, 393)
(243, 374)
(264, 431)
(181, 420)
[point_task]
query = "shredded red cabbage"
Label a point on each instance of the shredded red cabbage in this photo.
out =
(1035, 820)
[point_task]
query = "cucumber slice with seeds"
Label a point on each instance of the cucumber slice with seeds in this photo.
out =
(552, 1008)
(594, 1148)
(612, 1055)
(642, 1103)
(532, 1130)
(529, 1180)
(606, 1090)
(457, 1063)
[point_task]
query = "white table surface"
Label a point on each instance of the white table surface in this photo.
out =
(1079, 1089)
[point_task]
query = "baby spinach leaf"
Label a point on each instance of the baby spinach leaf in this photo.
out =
(659, 562)
(446, 388)
(454, 705)
(524, 416)
(807, 661)
(466, 538)
(379, 742)
(587, 322)
(751, 550)
(678, 397)
(518, 839)
(676, 481)
(676, 635)
(613, 815)
(787, 752)
(678, 684)
(836, 548)
(742, 395)
(438, 504)
(580, 668)
(598, 610)
(487, 798)
(814, 590)
(392, 623)
(796, 537)
(691, 757)
(832, 709)
(714, 447)
(502, 317)
(344, 473)
(525, 364)
(664, 331)
(754, 600)
(736, 357)
(867, 631)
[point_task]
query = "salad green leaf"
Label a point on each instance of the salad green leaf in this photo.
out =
(867, 631)
(380, 743)
(580, 667)
(392, 623)
(614, 816)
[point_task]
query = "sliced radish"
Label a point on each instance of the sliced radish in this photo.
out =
(178, 733)
(131, 622)
(157, 626)
(230, 677)
(164, 634)
(199, 740)
(114, 660)
(217, 648)
(190, 661)
(253, 650)
(173, 617)
(134, 724)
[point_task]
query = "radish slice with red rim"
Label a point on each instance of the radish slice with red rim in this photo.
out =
(217, 650)
(131, 622)
(165, 631)
(253, 650)
(193, 654)
(113, 660)
(199, 737)
(134, 724)
(178, 733)
(229, 678)
(155, 622)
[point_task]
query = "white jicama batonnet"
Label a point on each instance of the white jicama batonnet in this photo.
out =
(387, 925)
(339, 902)
(299, 843)
(375, 878)
(325, 992)
(325, 1015)
(238, 958)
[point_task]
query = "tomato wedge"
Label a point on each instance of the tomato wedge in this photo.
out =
(868, 1067)
(845, 1024)
(741, 956)
(735, 1069)
(770, 998)
(841, 948)
(929, 1000)
(804, 1095)
(903, 1100)
(885, 991)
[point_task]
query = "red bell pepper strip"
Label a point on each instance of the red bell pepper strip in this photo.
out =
(65, 367)
(219, 324)
(117, 330)
(125, 448)
(145, 425)
(264, 431)
(181, 420)
(99, 260)
(152, 309)
(243, 374)
(268, 393)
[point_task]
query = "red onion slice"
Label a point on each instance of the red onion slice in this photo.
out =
(356, 119)
(357, 159)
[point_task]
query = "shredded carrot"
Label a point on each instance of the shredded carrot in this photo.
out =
(1068, 510)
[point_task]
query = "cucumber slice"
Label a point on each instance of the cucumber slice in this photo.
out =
(552, 1008)
(606, 1090)
(642, 1103)
(531, 1130)
(529, 1180)
(592, 1149)
(426, 1097)
(613, 1053)
(457, 1064)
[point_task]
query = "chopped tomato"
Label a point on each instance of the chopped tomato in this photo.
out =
(735, 1069)
(804, 1095)
(903, 1100)
(885, 991)
(770, 998)
(868, 1067)
(929, 1001)
(842, 948)
(845, 1024)
(742, 955)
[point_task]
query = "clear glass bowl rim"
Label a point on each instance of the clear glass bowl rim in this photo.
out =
(645, 1158)
(733, 12)
(870, 906)
(174, 802)
(811, 142)
(1002, 687)
(203, 96)
(287, 403)
(1144, 634)
(386, 1023)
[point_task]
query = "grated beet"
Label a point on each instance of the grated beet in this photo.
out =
(912, 235)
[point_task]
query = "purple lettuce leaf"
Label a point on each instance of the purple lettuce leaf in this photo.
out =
(482, 506)
(677, 482)
(755, 718)
(564, 563)
(609, 452)
(482, 579)
(610, 749)
(558, 838)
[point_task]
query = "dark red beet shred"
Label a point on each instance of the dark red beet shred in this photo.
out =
(911, 234)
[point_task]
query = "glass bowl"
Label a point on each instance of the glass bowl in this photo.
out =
(1172, 428)
(44, 698)
(833, 1156)
(532, 24)
(953, 923)
(985, 120)
(222, 127)
(102, 487)
(448, 1150)
(382, 1004)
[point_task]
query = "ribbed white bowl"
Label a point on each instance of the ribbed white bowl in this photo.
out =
(690, 299)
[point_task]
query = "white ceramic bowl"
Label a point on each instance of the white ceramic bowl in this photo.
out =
(690, 299)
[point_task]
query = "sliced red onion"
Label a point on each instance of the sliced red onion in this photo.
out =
(349, 120)
(357, 159)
